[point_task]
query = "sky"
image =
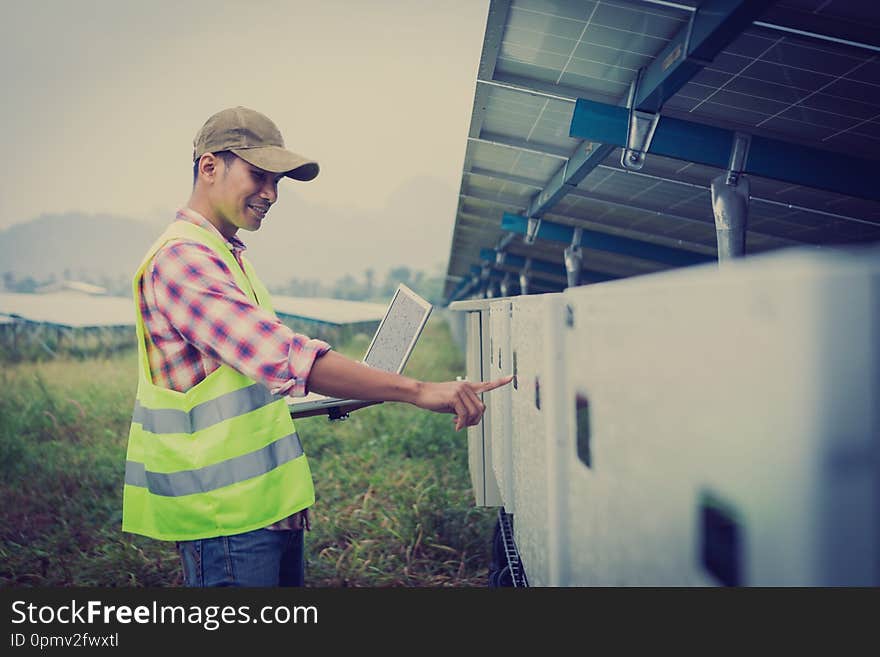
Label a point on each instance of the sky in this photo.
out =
(102, 100)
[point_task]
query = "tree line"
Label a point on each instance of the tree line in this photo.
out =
(369, 286)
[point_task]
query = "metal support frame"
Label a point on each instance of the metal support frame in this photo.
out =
(573, 256)
(576, 191)
(504, 284)
(713, 26)
(465, 287)
(730, 202)
(485, 282)
(539, 267)
(475, 287)
(472, 288)
(525, 277)
(495, 25)
(710, 145)
(504, 241)
(641, 130)
(592, 239)
(532, 228)
(504, 287)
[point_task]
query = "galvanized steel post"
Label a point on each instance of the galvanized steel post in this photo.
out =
(730, 202)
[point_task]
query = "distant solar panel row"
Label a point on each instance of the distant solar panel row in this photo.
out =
(82, 311)
(69, 310)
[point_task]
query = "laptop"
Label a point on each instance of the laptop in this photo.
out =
(389, 349)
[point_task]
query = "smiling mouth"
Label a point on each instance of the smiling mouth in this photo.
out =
(259, 210)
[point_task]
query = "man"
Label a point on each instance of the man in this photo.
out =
(214, 462)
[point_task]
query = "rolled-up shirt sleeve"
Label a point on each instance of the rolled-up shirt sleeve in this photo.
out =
(197, 294)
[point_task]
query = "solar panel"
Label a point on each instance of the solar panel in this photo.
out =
(804, 72)
(780, 84)
(69, 309)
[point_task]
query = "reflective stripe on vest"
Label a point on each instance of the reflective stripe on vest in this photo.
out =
(206, 414)
(211, 477)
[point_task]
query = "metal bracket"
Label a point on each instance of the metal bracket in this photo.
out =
(739, 155)
(504, 286)
(524, 277)
(485, 282)
(573, 255)
(474, 286)
(532, 228)
(642, 126)
(504, 241)
(730, 201)
(334, 414)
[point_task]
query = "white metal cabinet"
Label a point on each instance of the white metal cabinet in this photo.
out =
(531, 406)
(731, 424)
(476, 323)
(498, 401)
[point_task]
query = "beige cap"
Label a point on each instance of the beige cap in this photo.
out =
(255, 139)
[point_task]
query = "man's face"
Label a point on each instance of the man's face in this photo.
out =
(242, 194)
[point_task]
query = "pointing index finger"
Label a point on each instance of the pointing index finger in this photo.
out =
(491, 385)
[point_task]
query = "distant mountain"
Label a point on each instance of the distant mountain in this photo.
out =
(84, 247)
(299, 240)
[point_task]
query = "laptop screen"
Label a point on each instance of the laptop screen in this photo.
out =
(398, 332)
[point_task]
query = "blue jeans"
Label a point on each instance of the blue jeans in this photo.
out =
(261, 557)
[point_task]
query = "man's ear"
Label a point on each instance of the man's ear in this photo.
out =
(209, 167)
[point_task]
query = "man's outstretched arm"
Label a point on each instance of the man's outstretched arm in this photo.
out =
(338, 376)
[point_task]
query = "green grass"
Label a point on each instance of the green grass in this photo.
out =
(394, 505)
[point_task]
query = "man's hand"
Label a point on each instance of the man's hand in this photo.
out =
(336, 375)
(458, 397)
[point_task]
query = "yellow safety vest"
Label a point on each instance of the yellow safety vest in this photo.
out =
(220, 459)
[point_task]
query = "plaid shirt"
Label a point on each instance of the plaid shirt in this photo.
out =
(198, 318)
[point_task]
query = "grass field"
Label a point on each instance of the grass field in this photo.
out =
(394, 505)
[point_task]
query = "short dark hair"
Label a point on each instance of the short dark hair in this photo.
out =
(227, 156)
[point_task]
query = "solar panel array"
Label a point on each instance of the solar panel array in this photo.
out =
(87, 311)
(69, 310)
(805, 72)
(328, 311)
